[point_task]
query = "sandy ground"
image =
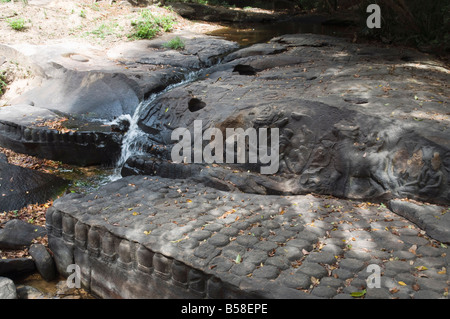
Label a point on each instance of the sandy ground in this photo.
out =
(98, 24)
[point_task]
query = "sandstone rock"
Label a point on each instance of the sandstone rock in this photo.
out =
(17, 234)
(28, 292)
(328, 145)
(44, 261)
(434, 219)
(20, 186)
(16, 267)
(7, 289)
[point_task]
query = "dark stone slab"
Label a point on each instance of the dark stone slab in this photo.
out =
(21, 186)
(19, 133)
(12, 268)
(17, 234)
(44, 261)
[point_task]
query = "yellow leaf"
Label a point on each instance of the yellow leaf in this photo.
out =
(188, 201)
(147, 232)
(443, 271)
(420, 268)
(178, 240)
(401, 283)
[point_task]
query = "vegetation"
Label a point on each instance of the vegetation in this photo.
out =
(2, 82)
(175, 44)
(5, 1)
(17, 24)
(149, 25)
(104, 30)
(419, 23)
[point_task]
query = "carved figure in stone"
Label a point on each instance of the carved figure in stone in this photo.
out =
(427, 182)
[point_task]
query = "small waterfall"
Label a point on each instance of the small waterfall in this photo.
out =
(132, 141)
(135, 139)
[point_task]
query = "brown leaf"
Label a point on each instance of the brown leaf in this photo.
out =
(393, 290)
(413, 249)
(227, 213)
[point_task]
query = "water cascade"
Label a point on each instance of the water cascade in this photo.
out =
(135, 139)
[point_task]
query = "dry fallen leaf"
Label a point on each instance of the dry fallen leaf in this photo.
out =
(393, 290)
(227, 213)
(413, 249)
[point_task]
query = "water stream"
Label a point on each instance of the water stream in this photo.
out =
(135, 139)
(245, 34)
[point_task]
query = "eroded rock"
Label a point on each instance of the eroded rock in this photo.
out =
(7, 289)
(17, 234)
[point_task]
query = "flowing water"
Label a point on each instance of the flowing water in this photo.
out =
(135, 139)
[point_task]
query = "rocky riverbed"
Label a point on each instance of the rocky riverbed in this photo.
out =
(362, 178)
